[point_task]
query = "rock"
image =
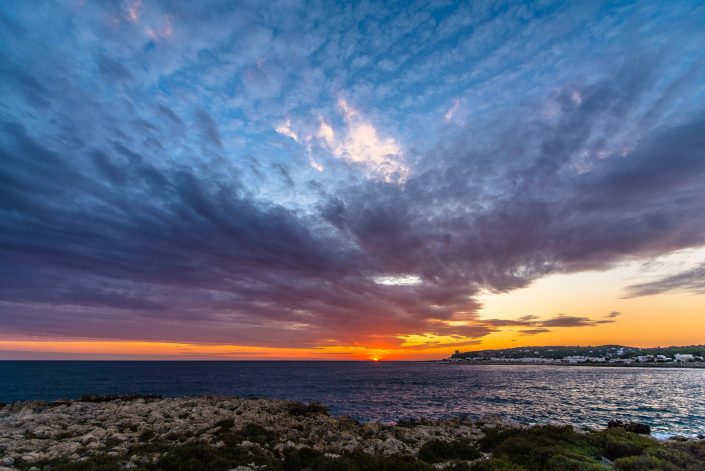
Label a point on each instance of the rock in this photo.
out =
(86, 439)
(127, 397)
(635, 427)
(29, 458)
(113, 425)
(349, 447)
(391, 446)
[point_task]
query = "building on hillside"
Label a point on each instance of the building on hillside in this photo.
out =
(621, 361)
(575, 359)
(683, 357)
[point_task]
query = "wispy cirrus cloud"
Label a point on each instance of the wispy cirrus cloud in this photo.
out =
(535, 325)
(690, 281)
(534, 331)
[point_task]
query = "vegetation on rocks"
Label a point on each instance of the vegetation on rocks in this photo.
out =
(562, 448)
(436, 451)
(223, 434)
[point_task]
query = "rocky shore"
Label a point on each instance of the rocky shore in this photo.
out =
(224, 433)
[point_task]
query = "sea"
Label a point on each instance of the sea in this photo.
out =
(671, 401)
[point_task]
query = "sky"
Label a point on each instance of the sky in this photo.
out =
(361, 180)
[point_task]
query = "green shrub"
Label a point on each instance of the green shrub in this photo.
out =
(302, 458)
(312, 460)
(548, 447)
(436, 451)
(225, 423)
(256, 434)
(298, 408)
(618, 443)
(666, 456)
(494, 436)
(99, 462)
(199, 456)
(644, 463)
(112, 442)
(496, 464)
(561, 462)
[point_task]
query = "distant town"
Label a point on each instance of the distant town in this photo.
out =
(605, 355)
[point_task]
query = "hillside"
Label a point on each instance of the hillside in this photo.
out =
(558, 352)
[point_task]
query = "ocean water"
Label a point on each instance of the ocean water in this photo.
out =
(672, 401)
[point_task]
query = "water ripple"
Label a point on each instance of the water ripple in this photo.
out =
(670, 400)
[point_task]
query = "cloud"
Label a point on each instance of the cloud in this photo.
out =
(143, 197)
(450, 114)
(209, 128)
(539, 325)
(613, 314)
(534, 331)
(360, 143)
(285, 130)
(563, 320)
(133, 8)
(689, 281)
(398, 280)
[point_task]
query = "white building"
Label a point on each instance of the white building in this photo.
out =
(575, 359)
(684, 357)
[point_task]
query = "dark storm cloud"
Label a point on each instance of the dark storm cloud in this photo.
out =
(117, 222)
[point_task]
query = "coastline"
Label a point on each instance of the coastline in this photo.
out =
(699, 365)
(224, 433)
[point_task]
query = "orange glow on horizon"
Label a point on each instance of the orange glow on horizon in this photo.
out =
(647, 321)
(168, 350)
